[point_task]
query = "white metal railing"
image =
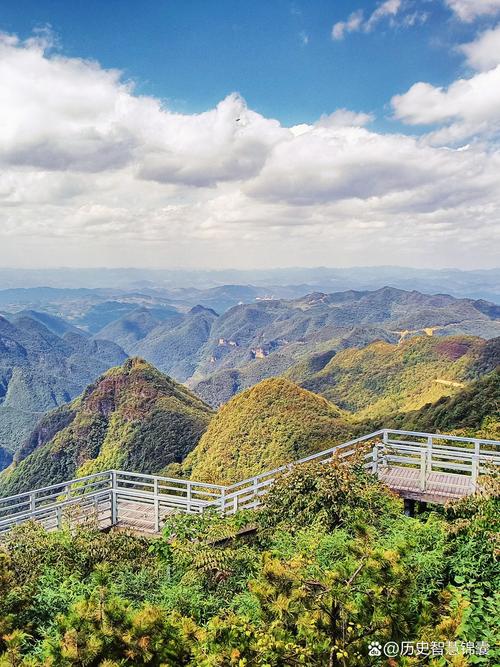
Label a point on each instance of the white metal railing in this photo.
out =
(435, 453)
(118, 497)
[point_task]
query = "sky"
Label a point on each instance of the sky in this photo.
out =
(249, 135)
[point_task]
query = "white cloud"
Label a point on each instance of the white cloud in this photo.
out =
(353, 24)
(469, 10)
(59, 113)
(397, 12)
(467, 107)
(387, 8)
(345, 118)
(94, 174)
(484, 52)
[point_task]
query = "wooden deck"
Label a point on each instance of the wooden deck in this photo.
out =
(441, 487)
(140, 517)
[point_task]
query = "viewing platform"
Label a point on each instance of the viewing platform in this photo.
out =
(425, 467)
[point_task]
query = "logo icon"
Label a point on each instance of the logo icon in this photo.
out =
(374, 649)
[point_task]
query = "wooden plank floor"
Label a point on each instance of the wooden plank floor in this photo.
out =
(440, 486)
(139, 516)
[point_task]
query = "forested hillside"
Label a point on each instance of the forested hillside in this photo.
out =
(473, 411)
(133, 417)
(382, 378)
(273, 423)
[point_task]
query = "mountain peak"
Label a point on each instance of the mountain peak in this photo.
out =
(132, 417)
(272, 423)
(198, 310)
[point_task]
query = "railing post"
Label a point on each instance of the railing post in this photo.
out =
(59, 517)
(475, 465)
(156, 502)
(96, 510)
(423, 472)
(375, 459)
(114, 502)
(429, 453)
(255, 489)
(235, 503)
(223, 501)
(32, 501)
(189, 495)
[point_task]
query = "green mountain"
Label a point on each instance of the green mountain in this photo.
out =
(383, 378)
(41, 369)
(174, 345)
(273, 423)
(473, 411)
(132, 417)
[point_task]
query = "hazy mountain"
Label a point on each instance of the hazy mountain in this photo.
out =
(476, 284)
(132, 417)
(55, 325)
(40, 370)
(136, 325)
(175, 345)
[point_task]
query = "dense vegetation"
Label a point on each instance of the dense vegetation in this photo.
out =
(273, 423)
(382, 378)
(132, 417)
(474, 411)
(328, 565)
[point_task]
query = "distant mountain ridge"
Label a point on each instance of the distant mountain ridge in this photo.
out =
(475, 284)
(254, 341)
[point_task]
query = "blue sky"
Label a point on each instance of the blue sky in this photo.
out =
(193, 53)
(271, 133)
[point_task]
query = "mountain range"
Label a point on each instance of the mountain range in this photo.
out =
(474, 284)
(371, 353)
(134, 417)
(251, 342)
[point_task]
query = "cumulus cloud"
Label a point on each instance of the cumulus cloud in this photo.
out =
(60, 113)
(93, 173)
(469, 10)
(468, 106)
(345, 118)
(484, 52)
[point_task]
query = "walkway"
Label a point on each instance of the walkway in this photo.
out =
(429, 467)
